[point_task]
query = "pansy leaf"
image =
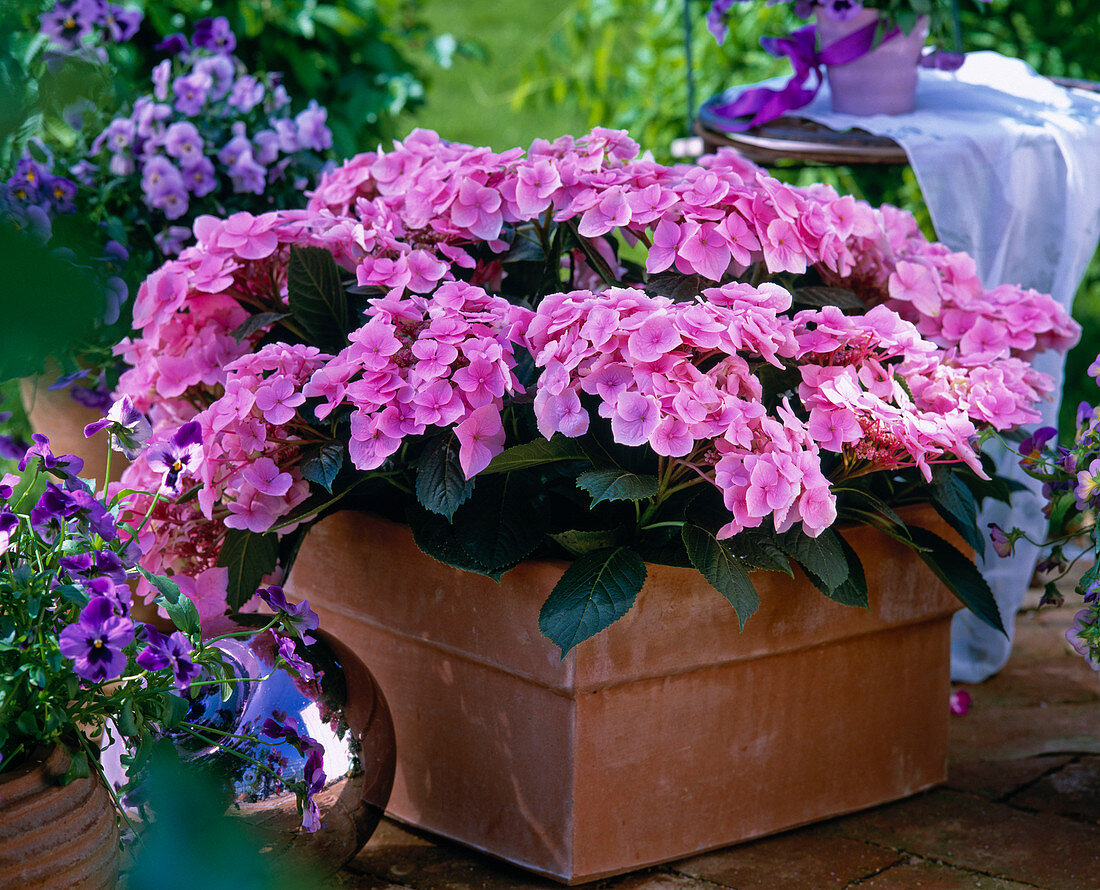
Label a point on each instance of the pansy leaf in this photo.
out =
(322, 463)
(535, 453)
(617, 485)
(248, 556)
(822, 558)
(167, 588)
(717, 563)
(959, 574)
(182, 612)
(441, 486)
(317, 298)
(592, 594)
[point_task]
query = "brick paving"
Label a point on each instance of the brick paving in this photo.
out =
(1020, 810)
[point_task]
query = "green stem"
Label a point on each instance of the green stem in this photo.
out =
(93, 759)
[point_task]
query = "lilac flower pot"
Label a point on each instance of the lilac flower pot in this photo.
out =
(884, 81)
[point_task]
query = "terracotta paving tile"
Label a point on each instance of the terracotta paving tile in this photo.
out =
(998, 779)
(923, 875)
(803, 859)
(1006, 733)
(1058, 679)
(1072, 791)
(1040, 849)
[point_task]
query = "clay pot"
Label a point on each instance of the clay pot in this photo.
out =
(670, 733)
(57, 416)
(884, 81)
(56, 836)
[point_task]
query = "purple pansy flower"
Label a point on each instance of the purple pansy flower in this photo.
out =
(302, 618)
(66, 23)
(7, 484)
(173, 239)
(95, 642)
(1002, 544)
(310, 124)
(314, 766)
(1031, 448)
(841, 10)
(190, 91)
(53, 507)
(172, 651)
(65, 464)
(182, 141)
(215, 35)
(177, 458)
(121, 23)
(221, 71)
(129, 428)
(200, 180)
(173, 44)
(62, 192)
(248, 176)
(9, 523)
(247, 93)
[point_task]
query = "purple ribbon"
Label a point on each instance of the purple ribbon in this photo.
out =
(765, 104)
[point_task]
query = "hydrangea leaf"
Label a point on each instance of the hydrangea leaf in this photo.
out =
(955, 503)
(821, 558)
(594, 593)
(717, 563)
(441, 486)
(534, 454)
(317, 298)
(249, 557)
(322, 464)
(617, 485)
(958, 573)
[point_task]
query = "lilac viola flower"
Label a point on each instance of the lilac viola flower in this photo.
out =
(62, 193)
(222, 72)
(182, 141)
(841, 10)
(215, 35)
(162, 76)
(128, 428)
(302, 618)
(7, 485)
(247, 93)
(173, 239)
(9, 524)
(191, 91)
(179, 457)
(96, 642)
(174, 45)
(1002, 543)
(199, 178)
(66, 23)
(172, 651)
(310, 124)
(65, 464)
(121, 23)
(266, 146)
(248, 176)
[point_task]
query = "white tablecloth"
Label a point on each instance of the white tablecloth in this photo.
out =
(1009, 165)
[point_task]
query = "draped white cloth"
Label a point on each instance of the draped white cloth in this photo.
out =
(1009, 166)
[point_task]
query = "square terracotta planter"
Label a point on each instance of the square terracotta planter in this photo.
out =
(670, 734)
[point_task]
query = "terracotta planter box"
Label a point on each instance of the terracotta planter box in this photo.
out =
(670, 734)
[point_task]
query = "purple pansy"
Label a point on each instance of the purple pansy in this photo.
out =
(221, 70)
(173, 44)
(9, 523)
(314, 766)
(7, 485)
(247, 93)
(173, 651)
(182, 141)
(121, 24)
(48, 516)
(177, 458)
(310, 125)
(95, 642)
(215, 35)
(65, 464)
(302, 618)
(200, 180)
(1002, 544)
(190, 91)
(129, 429)
(66, 23)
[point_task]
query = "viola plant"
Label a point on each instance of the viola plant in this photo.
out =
(578, 352)
(79, 669)
(121, 191)
(1070, 474)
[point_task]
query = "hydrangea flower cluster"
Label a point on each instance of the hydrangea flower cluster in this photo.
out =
(77, 662)
(210, 130)
(497, 311)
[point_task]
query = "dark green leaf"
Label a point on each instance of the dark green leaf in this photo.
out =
(500, 525)
(677, 286)
(70, 593)
(617, 485)
(322, 463)
(248, 556)
(254, 322)
(167, 588)
(1089, 578)
(525, 246)
(581, 541)
(535, 453)
(436, 538)
(822, 558)
(955, 503)
(758, 548)
(722, 569)
(828, 296)
(959, 574)
(317, 298)
(441, 486)
(595, 592)
(182, 612)
(852, 591)
(79, 768)
(169, 710)
(592, 256)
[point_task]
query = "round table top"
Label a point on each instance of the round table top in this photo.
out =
(801, 140)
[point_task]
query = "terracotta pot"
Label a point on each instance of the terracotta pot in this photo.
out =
(54, 836)
(56, 415)
(670, 733)
(884, 81)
